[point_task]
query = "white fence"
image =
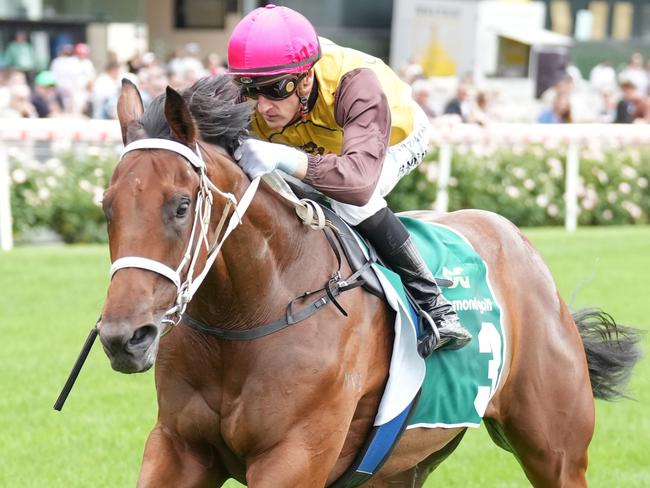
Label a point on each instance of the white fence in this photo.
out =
(37, 133)
(446, 136)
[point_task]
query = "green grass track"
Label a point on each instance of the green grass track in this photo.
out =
(51, 296)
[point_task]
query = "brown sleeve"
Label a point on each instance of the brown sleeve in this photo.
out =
(361, 108)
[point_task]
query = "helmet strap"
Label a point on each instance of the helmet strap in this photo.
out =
(304, 107)
(303, 97)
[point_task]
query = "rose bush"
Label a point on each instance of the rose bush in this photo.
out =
(526, 184)
(62, 194)
(523, 183)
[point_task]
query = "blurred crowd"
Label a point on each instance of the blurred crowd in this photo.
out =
(606, 95)
(73, 86)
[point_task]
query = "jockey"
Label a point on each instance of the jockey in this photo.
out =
(343, 122)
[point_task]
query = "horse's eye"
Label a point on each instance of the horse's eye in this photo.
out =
(182, 209)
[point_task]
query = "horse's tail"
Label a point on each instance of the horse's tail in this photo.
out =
(612, 351)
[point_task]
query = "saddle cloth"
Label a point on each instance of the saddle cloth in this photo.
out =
(451, 388)
(456, 386)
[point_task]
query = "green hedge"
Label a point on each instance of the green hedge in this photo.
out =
(526, 184)
(62, 194)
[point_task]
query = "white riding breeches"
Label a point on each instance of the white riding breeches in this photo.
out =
(399, 161)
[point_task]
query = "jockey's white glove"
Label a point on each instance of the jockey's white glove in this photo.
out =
(258, 158)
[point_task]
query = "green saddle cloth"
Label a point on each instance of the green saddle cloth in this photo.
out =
(458, 384)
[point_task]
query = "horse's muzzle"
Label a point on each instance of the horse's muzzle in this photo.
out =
(129, 350)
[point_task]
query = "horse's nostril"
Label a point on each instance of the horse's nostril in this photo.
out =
(142, 338)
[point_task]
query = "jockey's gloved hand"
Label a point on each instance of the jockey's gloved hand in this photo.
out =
(257, 157)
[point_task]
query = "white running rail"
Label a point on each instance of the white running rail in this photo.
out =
(446, 135)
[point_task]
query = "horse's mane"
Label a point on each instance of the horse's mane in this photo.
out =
(214, 104)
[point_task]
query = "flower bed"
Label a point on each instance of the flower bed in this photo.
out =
(526, 184)
(523, 183)
(62, 194)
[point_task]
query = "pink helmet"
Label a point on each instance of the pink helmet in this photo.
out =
(272, 40)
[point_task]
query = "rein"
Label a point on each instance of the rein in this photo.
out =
(334, 287)
(309, 212)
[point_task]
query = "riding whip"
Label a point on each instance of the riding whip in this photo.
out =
(72, 377)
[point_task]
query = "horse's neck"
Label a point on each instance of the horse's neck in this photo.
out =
(263, 265)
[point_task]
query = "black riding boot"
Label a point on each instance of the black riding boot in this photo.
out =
(393, 243)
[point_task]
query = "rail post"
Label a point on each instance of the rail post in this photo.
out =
(571, 186)
(6, 234)
(444, 173)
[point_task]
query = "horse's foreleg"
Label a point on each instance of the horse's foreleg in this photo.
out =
(170, 461)
(298, 463)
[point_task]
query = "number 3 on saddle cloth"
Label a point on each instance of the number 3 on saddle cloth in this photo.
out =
(451, 388)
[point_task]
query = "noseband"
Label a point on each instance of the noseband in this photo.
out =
(185, 289)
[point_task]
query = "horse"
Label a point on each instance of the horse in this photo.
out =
(293, 408)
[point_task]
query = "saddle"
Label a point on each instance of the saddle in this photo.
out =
(345, 236)
(348, 239)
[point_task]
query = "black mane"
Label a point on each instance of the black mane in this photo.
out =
(214, 103)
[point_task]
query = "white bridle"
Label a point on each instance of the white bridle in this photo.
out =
(309, 212)
(203, 209)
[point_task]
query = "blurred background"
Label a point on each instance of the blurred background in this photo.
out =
(499, 59)
(573, 74)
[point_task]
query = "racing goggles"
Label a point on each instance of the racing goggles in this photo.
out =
(273, 89)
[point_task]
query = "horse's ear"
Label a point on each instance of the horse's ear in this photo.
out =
(129, 111)
(179, 118)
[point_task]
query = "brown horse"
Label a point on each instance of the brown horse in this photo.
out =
(293, 408)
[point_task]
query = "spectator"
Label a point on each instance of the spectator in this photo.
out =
(187, 67)
(192, 75)
(643, 114)
(85, 77)
(559, 113)
(20, 55)
(148, 59)
(140, 60)
(175, 62)
(460, 104)
(411, 70)
(422, 95)
(607, 111)
(5, 92)
(630, 107)
(574, 72)
(564, 86)
(174, 81)
(65, 68)
(603, 76)
(635, 73)
(152, 82)
(15, 77)
(214, 65)
(106, 90)
(86, 66)
(20, 104)
(135, 63)
(479, 111)
(45, 98)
